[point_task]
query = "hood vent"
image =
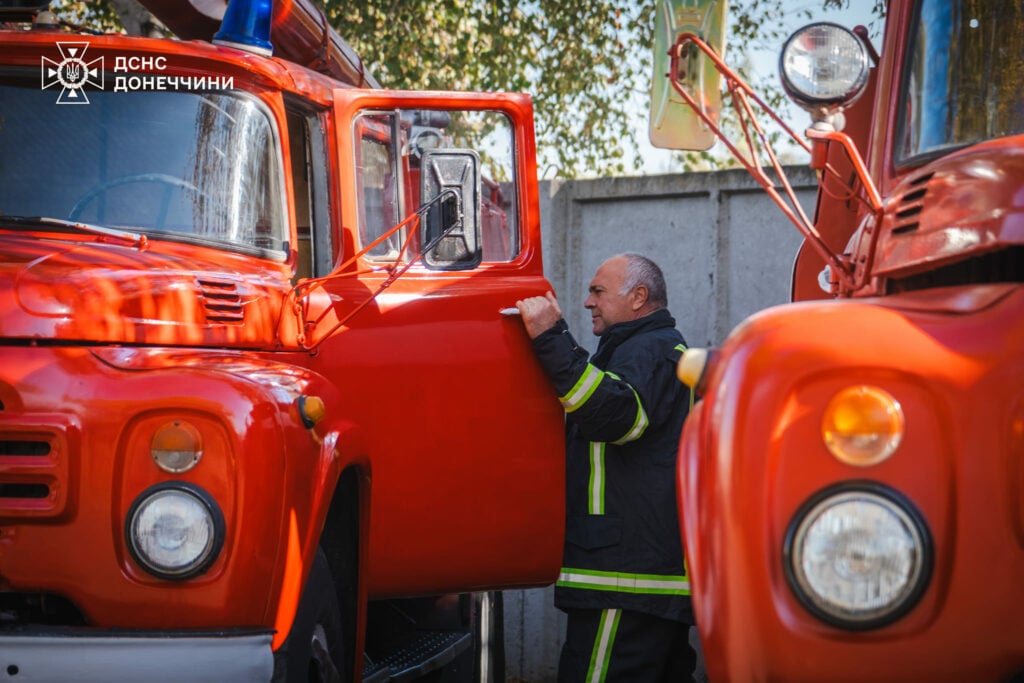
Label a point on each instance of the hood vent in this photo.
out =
(222, 302)
(910, 205)
(35, 469)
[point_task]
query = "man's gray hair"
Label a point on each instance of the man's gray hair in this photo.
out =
(641, 270)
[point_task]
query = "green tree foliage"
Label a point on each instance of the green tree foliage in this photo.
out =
(587, 63)
(93, 16)
(579, 60)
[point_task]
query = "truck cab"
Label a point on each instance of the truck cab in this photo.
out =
(851, 480)
(260, 412)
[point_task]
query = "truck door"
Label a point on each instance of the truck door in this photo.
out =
(464, 433)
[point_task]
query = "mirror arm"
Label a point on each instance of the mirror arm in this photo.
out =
(822, 136)
(754, 136)
(821, 139)
(734, 82)
(299, 296)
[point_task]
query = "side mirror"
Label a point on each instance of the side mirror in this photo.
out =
(451, 226)
(673, 124)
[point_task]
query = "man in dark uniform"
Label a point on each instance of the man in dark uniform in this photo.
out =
(623, 582)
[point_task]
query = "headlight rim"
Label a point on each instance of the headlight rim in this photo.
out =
(903, 504)
(201, 566)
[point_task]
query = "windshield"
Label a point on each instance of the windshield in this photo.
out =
(193, 166)
(965, 83)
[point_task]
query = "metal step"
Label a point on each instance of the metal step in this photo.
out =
(422, 653)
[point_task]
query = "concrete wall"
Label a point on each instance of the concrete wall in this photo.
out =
(727, 251)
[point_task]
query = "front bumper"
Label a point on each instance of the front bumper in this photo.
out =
(60, 656)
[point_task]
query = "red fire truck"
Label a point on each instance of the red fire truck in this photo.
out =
(852, 479)
(260, 413)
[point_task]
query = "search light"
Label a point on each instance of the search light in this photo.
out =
(246, 26)
(824, 69)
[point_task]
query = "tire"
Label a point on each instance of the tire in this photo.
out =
(315, 648)
(489, 637)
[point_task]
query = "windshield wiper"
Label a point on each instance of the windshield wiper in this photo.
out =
(134, 239)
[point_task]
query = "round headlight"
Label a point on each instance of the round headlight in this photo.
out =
(824, 64)
(858, 556)
(863, 425)
(174, 530)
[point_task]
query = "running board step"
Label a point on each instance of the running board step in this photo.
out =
(422, 653)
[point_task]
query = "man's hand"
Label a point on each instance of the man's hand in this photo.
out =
(539, 313)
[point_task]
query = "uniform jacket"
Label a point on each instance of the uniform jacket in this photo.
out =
(624, 414)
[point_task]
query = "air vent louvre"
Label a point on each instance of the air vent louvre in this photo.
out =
(222, 301)
(23, 448)
(34, 469)
(24, 491)
(910, 205)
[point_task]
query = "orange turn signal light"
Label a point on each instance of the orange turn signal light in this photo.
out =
(311, 410)
(693, 369)
(176, 446)
(863, 425)
(691, 366)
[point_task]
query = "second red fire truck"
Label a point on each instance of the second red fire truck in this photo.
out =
(852, 480)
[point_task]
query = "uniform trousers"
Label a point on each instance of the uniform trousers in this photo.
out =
(622, 646)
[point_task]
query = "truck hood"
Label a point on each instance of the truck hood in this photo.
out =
(965, 204)
(90, 291)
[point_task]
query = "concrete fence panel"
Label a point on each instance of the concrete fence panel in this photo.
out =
(727, 252)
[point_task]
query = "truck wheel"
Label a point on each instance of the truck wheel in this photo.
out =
(314, 651)
(489, 637)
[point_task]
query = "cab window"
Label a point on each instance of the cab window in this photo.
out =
(392, 148)
(309, 164)
(965, 77)
(378, 185)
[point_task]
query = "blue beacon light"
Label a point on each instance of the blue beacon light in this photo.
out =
(246, 26)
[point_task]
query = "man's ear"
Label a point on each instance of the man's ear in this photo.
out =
(638, 297)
